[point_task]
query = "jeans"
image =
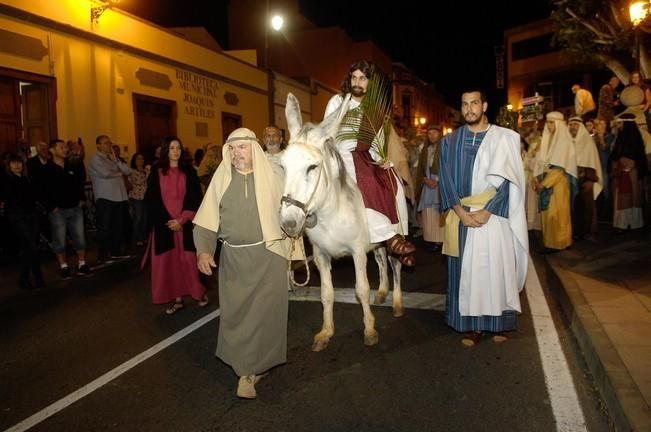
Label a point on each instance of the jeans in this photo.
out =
(70, 220)
(139, 216)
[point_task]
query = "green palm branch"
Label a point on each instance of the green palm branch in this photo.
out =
(366, 122)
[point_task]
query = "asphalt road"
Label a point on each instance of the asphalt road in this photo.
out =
(418, 378)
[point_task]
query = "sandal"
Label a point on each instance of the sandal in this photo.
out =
(203, 302)
(500, 337)
(471, 339)
(407, 260)
(398, 245)
(176, 306)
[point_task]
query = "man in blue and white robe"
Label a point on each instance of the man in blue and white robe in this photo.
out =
(481, 165)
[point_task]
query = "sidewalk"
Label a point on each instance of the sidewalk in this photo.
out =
(605, 293)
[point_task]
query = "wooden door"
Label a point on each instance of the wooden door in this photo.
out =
(36, 120)
(155, 119)
(230, 122)
(10, 124)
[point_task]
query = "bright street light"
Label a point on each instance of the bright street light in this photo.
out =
(277, 22)
(638, 11)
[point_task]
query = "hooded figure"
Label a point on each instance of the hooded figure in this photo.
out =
(241, 207)
(556, 173)
(628, 167)
(590, 179)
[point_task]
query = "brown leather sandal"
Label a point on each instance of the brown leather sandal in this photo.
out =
(398, 245)
(176, 306)
(500, 337)
(407, 260)
(203, 302)
(471, 339)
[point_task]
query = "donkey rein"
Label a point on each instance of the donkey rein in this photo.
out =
(295, 239)
(289, 265)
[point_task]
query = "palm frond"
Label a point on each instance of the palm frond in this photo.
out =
(365, 123)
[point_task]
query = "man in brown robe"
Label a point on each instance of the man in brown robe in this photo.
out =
(241, 208)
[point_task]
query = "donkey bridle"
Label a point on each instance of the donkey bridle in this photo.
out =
(310, 218)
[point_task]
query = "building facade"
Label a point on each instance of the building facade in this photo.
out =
(64, 75)
(536, 67)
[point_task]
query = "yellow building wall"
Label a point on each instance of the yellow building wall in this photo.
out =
(96, 81)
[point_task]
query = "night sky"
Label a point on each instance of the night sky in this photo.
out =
(449, 44)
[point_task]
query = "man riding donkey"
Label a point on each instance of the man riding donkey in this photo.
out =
(361, 145)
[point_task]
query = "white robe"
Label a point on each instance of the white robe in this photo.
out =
(379, 226)
(495, 258)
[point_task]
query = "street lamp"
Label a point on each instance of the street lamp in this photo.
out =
(638, 11)
(276, 22)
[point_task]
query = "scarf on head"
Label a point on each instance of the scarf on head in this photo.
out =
(268, 191)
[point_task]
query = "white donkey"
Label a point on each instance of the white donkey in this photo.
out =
(322, 200)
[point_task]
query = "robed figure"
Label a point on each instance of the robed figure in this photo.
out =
(486, 241)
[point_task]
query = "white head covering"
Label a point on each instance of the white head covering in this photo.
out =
(587, 154)
(268, 191)
(556, 149)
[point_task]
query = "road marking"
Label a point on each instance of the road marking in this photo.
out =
(560, 386)
(109, 376)
(565, 405)
(410, 300)
(310, 293)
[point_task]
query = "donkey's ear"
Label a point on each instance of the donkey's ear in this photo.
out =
(331, 123)
(293, 115)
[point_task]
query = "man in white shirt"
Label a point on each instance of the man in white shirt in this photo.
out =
(111, 199)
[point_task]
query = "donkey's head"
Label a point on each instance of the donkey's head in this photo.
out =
(306, 161)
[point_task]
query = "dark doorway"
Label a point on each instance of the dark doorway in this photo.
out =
(230, 122)
(155, 119)
(27, 113)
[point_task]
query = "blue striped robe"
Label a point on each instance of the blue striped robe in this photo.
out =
(458, 151)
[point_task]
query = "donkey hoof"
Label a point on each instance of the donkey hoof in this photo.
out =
(379, 299)
(398, 312)
(371, 338)
(319, 344)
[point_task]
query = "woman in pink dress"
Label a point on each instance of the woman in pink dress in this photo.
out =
(173, 196)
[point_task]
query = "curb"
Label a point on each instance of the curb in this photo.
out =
(626, 406)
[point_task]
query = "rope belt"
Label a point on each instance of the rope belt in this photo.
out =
(243, 245)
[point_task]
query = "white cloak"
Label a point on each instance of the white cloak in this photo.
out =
(495, 257)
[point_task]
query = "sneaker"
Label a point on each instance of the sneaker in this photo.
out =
(84, 270)
(66, 273)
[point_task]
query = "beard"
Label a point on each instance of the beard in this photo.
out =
(357, 91)
(273, 148)
(473, 120)
(239, 164)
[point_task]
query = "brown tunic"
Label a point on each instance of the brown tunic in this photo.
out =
(253, 286)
